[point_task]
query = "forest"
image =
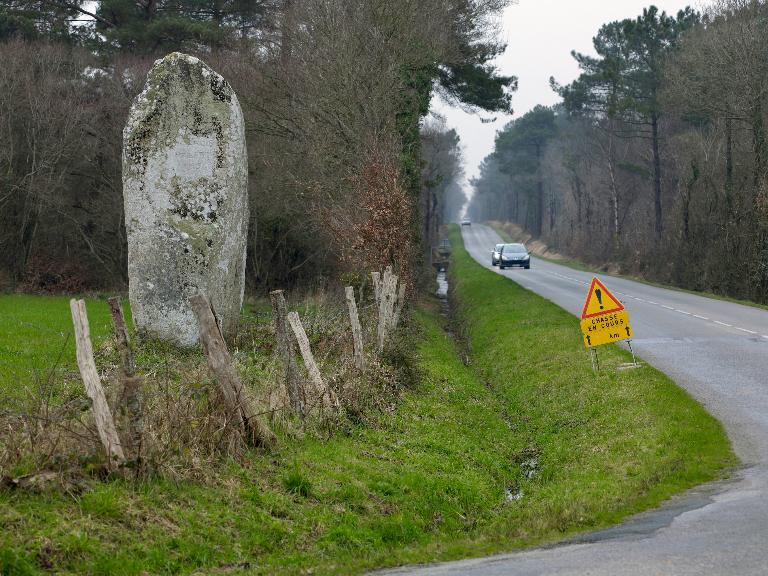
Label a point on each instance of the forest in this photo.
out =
(348, 171)
(655, 162)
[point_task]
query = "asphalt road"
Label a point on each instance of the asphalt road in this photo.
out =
(716, 350)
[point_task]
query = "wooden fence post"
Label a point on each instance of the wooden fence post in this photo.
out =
(131, 394)
(240, 405)
(399, 306)
(386, 306)
(376, 278)
(105, 425)
(382, 302)
(320, 389)
(357, 331)
(287, 351)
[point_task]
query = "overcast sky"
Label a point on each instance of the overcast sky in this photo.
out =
(540, 35)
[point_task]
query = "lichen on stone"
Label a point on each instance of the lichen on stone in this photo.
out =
(185, 179)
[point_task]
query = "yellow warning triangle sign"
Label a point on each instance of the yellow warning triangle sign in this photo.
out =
(600, 301)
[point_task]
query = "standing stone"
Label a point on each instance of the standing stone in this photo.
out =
(185, 177)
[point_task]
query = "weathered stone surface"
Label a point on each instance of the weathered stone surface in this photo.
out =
(186, 203)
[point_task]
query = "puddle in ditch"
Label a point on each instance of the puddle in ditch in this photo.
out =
(442, 292)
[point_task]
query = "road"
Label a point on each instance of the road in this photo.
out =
(716, 350)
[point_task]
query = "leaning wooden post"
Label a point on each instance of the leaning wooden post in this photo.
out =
(376, 278)
(320, 389)
(287, 351)
(131, 394)
(241, 407)
(399, 306)
(105, 425)
(357, 331)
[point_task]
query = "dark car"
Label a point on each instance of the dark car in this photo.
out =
(514, 255)
(496, 255)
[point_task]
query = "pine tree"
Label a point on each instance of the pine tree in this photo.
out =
(624, 82)
(520, 151)
(41, 19)
(158, 26)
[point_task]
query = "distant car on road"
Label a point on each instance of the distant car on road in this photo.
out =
(466, 222)
(514, 255)
(496, 254)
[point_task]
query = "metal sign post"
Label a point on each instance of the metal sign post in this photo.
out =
(634, 360)
(595, 359)
(604, 320)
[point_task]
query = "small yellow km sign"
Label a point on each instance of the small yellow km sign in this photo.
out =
(603, 319)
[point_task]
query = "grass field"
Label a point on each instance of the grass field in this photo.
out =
(524, 445)
(36, 337)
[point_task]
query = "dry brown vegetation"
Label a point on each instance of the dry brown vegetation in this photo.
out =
(331, 90)
(47, 430)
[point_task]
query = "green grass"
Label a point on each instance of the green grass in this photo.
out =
(36, 336)
(584, 267)
(426, 482)
(429, 481)
(609, 443)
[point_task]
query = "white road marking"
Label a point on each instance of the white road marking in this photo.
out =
(745, 330)
(651, 302)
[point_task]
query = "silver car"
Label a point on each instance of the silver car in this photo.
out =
(496, 255)
(514, 255)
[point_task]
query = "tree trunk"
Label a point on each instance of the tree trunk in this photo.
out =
(435, 224)
(659, 228)
(30, 215)
(692, 181)
(286, 34)
(614, 191)
(515, 207)
(760, 145)
(729, 165)
(540, 192)
(579, 200)
(427, 221)
(551, 210)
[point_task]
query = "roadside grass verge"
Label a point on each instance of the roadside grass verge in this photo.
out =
(423, 481)
(605, 444)
(523, 446)
(584, 267)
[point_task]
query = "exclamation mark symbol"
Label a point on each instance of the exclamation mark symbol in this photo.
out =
(599, 294)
